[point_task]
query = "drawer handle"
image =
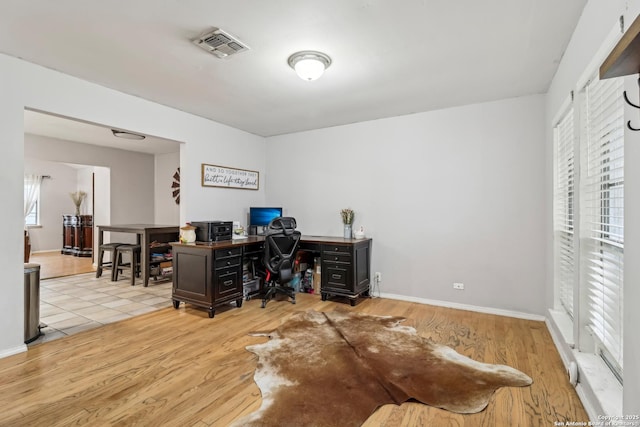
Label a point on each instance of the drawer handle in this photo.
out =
(336, 276)
(228, 282)
(336, 259)
(229, 253)
(335, 249)
(228, 262)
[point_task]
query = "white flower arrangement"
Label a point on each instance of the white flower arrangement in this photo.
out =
(78, 197)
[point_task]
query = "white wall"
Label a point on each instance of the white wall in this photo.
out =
(130, 189)
(598, 18)
(85, 183)
(166, 209)
(454, 195)
(131, 177)
(54, 202)
(31, 86)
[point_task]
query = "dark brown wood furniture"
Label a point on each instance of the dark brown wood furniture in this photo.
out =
(345, 265)
(207, 275)
(106, 265)
(77, 235)
(624, 58)
(133, 266)
(27, 246)
(145, 235)
(210, 274)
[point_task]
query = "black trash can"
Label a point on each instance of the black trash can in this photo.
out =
(31, 302)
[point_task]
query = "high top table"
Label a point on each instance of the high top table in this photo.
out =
(145, 234)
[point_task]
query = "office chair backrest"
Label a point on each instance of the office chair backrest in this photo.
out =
(281, 245)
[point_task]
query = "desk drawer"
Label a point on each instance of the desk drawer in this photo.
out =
(336, 258)
(328, 250)
(228, 283)
(311, 247)
(337, 276)
(256, 250)
(227, 262)
(229, 252)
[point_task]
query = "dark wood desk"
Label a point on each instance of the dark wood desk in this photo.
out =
(210, 274)
(145, 234)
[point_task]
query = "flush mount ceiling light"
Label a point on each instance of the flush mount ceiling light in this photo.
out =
(127, 135)
(309, 64)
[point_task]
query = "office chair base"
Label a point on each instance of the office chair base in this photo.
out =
(273, 290)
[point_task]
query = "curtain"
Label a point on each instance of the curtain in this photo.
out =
(31, 192)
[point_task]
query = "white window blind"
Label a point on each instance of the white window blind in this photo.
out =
(563, 206)
(602, 216)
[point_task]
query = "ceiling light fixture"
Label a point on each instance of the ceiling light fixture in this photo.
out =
(308, 64)
(127, 135)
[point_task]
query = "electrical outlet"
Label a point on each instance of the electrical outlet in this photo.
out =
(458, 286)
(378, 277)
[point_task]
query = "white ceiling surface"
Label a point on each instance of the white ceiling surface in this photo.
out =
(389, 57)
(76, 131)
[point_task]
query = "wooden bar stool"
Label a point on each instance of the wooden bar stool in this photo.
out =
(133, 265)
(106, 265)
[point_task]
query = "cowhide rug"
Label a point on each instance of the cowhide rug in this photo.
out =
(336, 368)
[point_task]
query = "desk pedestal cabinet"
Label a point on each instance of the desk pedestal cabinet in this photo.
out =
(345, 267)
(207, 277)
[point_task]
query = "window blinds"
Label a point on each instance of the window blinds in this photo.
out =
(564, 189)
(602, 216)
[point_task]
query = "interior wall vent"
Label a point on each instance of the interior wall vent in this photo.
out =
(220, 43)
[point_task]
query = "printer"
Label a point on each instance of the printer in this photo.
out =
(213, 231)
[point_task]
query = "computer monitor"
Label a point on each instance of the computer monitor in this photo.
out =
(259, 218)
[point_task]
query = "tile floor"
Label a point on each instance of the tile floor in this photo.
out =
(76, 303)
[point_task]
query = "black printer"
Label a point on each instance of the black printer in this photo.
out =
(213, 231)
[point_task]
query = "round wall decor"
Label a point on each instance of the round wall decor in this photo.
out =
(175, 187)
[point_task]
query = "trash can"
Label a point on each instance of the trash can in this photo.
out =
(31, 302)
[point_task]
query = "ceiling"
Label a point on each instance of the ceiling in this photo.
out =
(389, 57)
(73, 130)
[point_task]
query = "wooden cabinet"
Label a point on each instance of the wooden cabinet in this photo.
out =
(346, 269)
(77, 235)
(207, 277)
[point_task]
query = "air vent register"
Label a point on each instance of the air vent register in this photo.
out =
(220, 43)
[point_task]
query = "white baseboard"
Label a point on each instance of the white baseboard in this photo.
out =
(11, 351)
(479, 309)
(45, 252)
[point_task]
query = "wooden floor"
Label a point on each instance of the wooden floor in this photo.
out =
(55, 264)
(180, 368)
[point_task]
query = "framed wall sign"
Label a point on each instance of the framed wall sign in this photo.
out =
(226, 177)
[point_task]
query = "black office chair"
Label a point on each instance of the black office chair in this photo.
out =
(280, 248)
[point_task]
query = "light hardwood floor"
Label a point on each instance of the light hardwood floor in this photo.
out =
(180, 368)
(55, 264)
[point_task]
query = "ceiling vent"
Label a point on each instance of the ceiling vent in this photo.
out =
(220, 43)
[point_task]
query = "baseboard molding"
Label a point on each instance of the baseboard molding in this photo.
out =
(46, 252)
(468, 307)
(11, 351)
